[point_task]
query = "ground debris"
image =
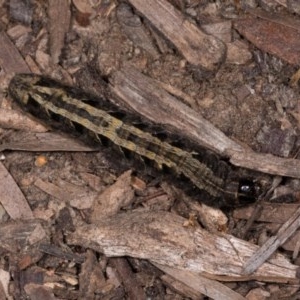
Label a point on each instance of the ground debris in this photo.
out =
(78, 222)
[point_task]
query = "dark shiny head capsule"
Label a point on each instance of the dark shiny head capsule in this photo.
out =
(241, 193)
(248, 192)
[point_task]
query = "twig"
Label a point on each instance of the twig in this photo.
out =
(263, 253)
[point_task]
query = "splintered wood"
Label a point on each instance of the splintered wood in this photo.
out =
(273, 243)
(161, 238)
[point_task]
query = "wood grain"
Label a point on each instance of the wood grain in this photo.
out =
(162, 238)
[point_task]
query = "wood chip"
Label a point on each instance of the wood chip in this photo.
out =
(238, 53)
(277, 213)
(180, 287)
(84, 6)
(38, 291)
(272, 37)
(13, 119)
(12, 198)
(58, 26)
(200, 284)
(91, 277)
(46, 141)
(77, 196)
(4, 286)
(118, 195)
(18, 31)
(199, 49)
(11, 60)
(221, 30)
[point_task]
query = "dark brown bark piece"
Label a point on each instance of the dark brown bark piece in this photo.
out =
(133, 290)
(145, 96)
(91, 277)
(61, 253)
(271, 37)
(16, 236)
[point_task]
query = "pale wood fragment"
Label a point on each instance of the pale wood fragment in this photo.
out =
(199, 49)
(10, 59)
(4, 284)
(221, 30)
(18, 31)
(238, 53)
(83, 6)
(180, 287)
(211, 218)
(259, 293)
(12, 198)
(267, 163)
(44, 141)
(13, 119)
(161, 238)
(78, 196)
(32, 65)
